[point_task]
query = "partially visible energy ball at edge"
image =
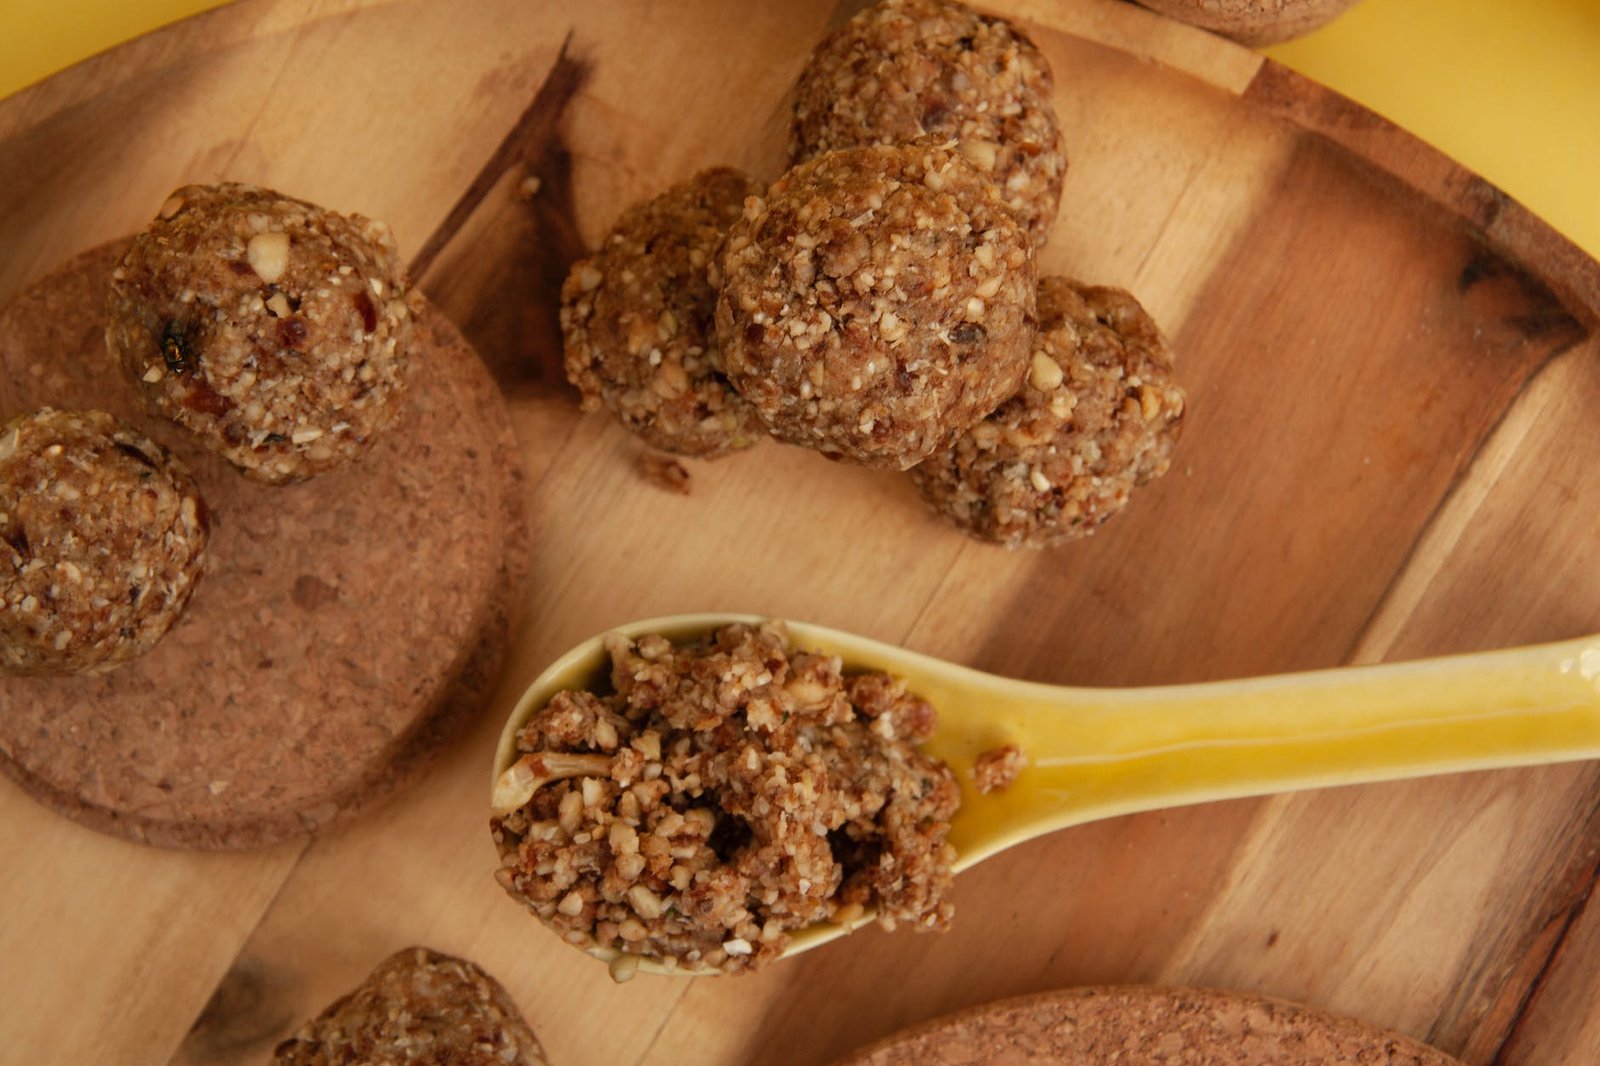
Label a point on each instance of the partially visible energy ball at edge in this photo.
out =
(102, 539)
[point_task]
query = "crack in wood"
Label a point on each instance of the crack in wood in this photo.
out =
(529, 142)
(497, 262)
(1568, 919)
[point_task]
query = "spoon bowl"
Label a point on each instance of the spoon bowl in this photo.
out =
(1099, 753)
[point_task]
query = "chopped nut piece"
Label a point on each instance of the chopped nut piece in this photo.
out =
(268, 255)
(624, 967)
(665, 472)
(1046, 373)
(760, 814)
(532, 772)
(996, 770)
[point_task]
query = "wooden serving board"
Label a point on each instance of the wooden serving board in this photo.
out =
(1390, 452)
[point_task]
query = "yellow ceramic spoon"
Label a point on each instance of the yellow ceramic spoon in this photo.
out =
(1099, 753)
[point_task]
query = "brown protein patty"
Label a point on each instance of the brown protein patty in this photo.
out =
(637, 320)
(1096, 418)
(877, 303)
(276, 330)
(727, 791)
(418, 1008)
(902, 69)
(102, 539)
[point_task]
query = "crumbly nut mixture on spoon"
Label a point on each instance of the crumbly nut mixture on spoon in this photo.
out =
(1096, 417)
(276, 330)
(102, 539)
(637, 320)
(905, 68)
(725, 793)
(877, 303)
(418, 1008)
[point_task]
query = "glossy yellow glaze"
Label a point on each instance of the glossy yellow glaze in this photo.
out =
(1099, 753)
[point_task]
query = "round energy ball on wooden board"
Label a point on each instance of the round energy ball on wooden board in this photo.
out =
(877, 302)
(904, 69)
(276, 330)
(636, 318)
(1096, 417)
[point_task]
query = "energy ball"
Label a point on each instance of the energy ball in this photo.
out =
(637, 320)
(274, 329)
(102, 538)
(418, 1008)
(1097, 417)
(877, 303)
(905, 68)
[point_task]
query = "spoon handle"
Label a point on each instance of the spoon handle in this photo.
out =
(1096, 753)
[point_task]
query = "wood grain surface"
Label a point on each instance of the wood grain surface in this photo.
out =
(1390, 452)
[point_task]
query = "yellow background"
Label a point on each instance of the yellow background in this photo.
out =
(1510, 88)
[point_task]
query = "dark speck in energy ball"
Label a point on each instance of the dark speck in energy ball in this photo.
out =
(277, 331)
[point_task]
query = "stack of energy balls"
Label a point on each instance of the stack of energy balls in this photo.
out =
(276, 332)
(879, 302)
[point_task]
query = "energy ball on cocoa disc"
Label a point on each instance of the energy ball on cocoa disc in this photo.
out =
(274, 329)
(637, 319)
(418, 1008)
(102, 537)
(877, 303)
(905, 68)
(1097, 417)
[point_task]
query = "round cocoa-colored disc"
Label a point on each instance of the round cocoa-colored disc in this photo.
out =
(1143, 1026)
(344, 627)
